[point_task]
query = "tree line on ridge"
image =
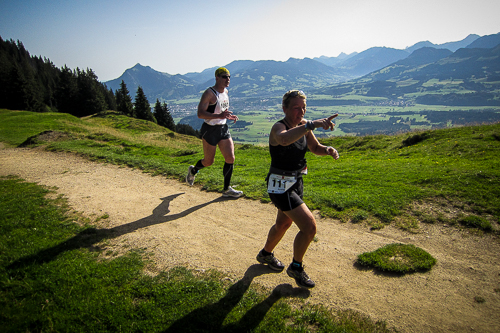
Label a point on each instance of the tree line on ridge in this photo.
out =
(34, 84)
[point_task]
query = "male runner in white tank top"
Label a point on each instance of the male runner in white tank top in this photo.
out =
(214, 109)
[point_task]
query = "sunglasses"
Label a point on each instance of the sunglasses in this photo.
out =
(294, 93)
(225, 76)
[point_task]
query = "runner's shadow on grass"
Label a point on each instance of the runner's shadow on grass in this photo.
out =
(210, 318)
(91, 237)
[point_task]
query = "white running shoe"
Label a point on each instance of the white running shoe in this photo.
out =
(230, 192)
(190, 176)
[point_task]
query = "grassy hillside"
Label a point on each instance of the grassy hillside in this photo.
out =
(448, 175)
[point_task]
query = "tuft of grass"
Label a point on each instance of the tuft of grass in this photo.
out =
(408, 223)
(473, 221)
(398, 258)
(377, 226)
(427, 218)
(479, 299)
(413, 139)
(360, 215)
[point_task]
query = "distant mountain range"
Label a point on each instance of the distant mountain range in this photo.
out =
(377, 71)
(466, 77)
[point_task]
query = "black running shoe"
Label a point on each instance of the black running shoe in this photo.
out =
(300, 277)
(271, 261)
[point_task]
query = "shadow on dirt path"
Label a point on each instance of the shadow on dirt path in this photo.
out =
(89, 238)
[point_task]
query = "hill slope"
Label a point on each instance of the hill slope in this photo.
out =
(156, 85)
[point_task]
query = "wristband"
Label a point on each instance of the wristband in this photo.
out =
(309, 125)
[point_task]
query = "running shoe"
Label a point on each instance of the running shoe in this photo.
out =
(190, 176)
(271, 261)
(230, 192)
(300, 277)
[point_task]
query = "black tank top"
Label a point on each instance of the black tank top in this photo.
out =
(291, 157)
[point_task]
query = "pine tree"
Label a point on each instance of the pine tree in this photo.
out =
(157, 113)
(163, 116)
(23, 91)
(109, 97)
(47, 79)
(141, 106)
(66, 91)
(14, 90)
(187, 129)
(5, 70)
(35, 84)
(170, 124)
(19, 86)
(124, 101)
(90, 96)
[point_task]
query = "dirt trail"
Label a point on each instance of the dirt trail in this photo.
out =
(182, 225)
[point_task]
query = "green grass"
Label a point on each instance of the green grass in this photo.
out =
(398, 258)
(380, 176)
(384, 174)
(53, 279)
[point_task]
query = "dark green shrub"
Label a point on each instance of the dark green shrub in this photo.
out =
(473, 221)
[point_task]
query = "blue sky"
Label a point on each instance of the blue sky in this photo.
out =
(177, 37)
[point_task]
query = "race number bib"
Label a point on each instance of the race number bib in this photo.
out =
(280, 184)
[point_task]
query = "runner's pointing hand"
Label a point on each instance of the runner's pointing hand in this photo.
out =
(325, 123)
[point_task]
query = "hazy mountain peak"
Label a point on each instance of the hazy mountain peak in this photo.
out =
(485, 42)
(138, 65)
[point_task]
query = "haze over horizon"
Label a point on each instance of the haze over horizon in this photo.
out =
(190, 36)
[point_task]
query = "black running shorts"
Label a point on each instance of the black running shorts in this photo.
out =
(290, 199)
(214, 133)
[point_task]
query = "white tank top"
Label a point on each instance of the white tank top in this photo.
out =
(221, 105)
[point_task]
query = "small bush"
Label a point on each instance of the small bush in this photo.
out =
(416, 138)
(473, 221)
(429, 219)
(398, 258)
(377, 226)
(359, 216)
(479, 299)
(186, 152)
(408, 223)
